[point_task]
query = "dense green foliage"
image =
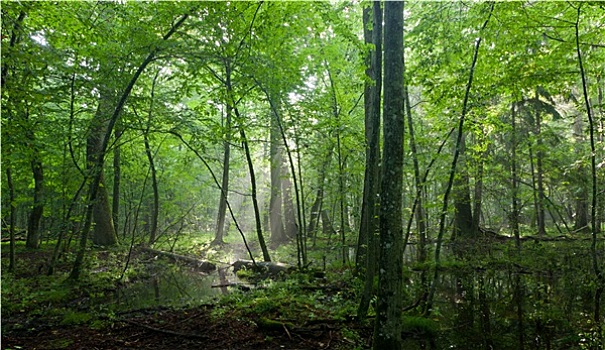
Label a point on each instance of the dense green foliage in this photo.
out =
(120, 118)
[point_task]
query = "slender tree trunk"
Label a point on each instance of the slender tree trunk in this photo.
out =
(154, 185)
(33, 227)
(581, 194)
(514, 215)
(318, 203)
(222, 204)
(259, 229)
(117, 177)
(12, 216)
(539, 173)
(429, 303)
(367, 247)
(478, 199)
(155, 209)
(600, 278)
(387, 334)
(278, 235)
(533, 184)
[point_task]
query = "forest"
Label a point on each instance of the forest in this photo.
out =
(303, 175)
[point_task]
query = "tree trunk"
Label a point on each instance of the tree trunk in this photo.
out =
(478, 198)
(117, 177)
(33, 226)
(387, 334)
(600, 278)
(222, 204)
(259, 229)
(155, 209)
(318, 203)
(539, 173)
(96, 173)
(288, 204)
(514, 215)
(463, 217)
(103, 232)
(367, 243)
(275, 202)
(154, 184)
(581, 194)
(429, 302)
(12, 219)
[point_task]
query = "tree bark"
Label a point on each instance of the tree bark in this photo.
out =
(33, 226)
(103, 232)
(387, 334)
(222, 204)
(540, 173)
(367, 243)
(463, 217)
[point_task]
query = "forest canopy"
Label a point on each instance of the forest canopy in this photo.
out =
(392, 140)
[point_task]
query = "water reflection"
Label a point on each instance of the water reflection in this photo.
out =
(170, 286)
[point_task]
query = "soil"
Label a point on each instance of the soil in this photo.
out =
(174, 329)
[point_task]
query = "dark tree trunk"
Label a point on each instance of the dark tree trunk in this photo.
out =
(33, 226)
(103, 232)
(259, 229)
(367, 244)
(97, 168)
(153, 224)
(387, 334)
(463, 217)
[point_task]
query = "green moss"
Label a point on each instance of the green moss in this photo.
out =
(420, 326)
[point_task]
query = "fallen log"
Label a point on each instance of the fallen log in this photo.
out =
(202, 265)
(270, 268)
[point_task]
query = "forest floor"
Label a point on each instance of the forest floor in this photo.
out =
(175, 329)
(38, 314)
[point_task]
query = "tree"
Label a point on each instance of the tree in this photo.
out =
(387, 334)
(367, 242)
